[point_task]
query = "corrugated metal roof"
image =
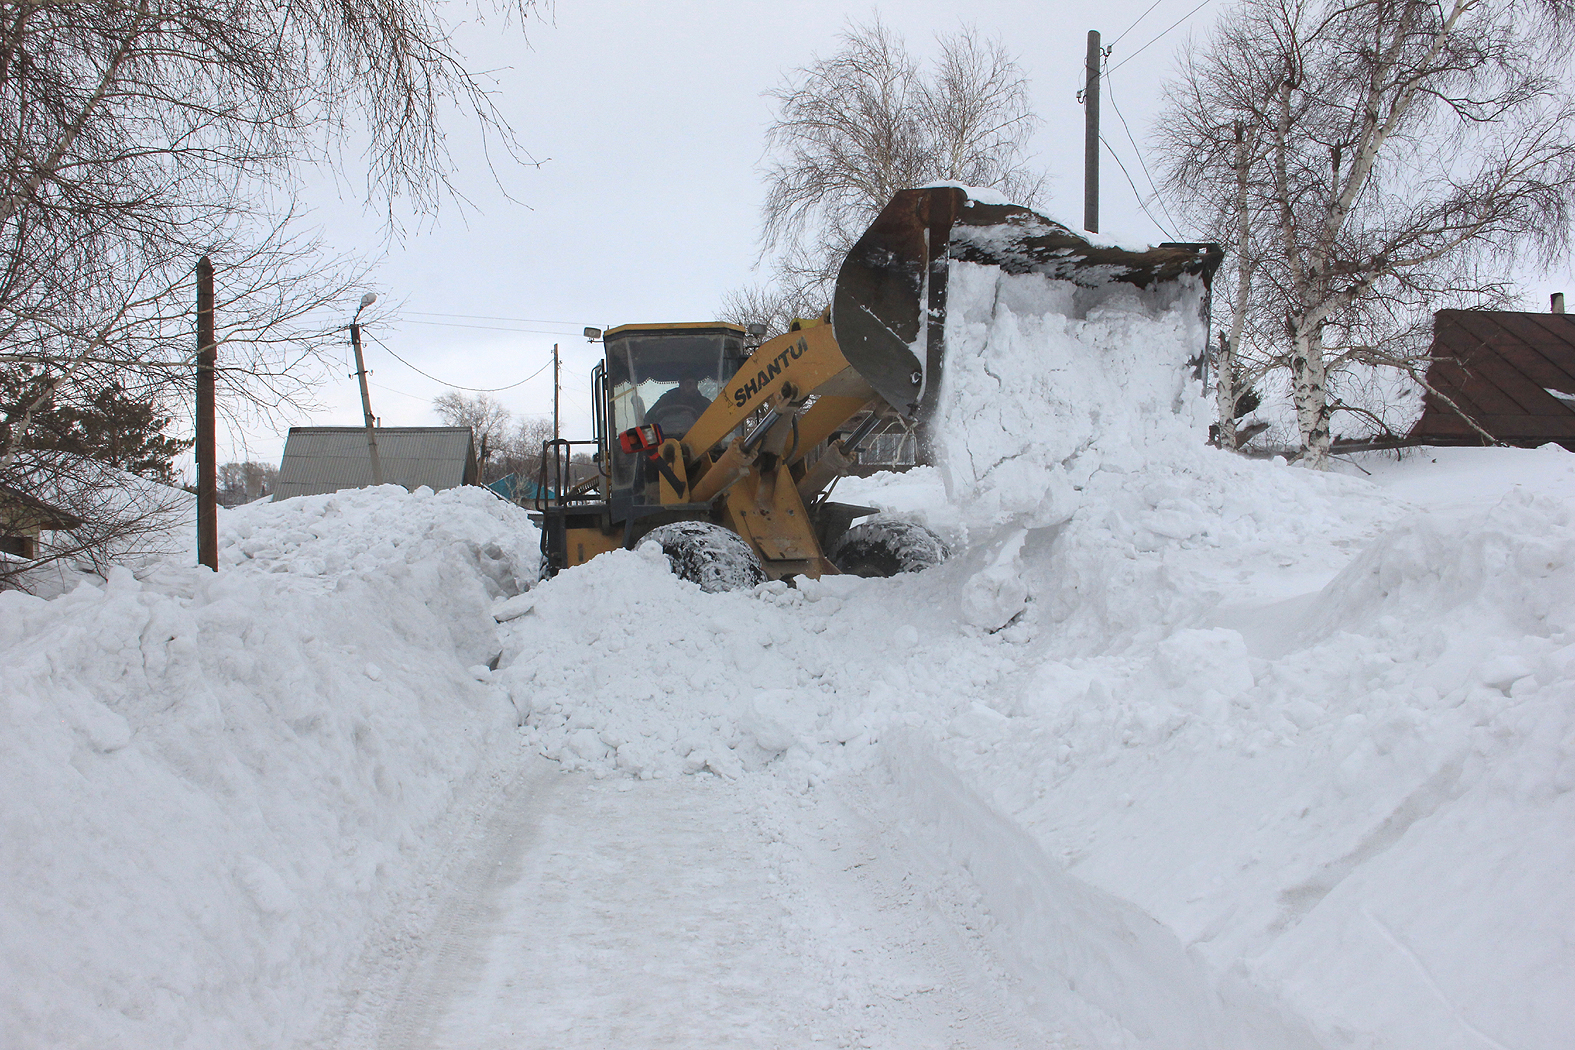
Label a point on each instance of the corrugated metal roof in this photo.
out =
(327, 459)
(1505, 370)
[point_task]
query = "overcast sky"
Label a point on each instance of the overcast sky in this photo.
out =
(648, 120)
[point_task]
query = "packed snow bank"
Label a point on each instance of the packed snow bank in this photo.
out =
(214, 780)
(1071, 941)
(1361, 822)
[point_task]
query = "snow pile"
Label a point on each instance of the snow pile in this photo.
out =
(214, 781)
(1322, 742)
(1512, 567)
(1357, 809)
(1147, 549)
(360, 532)
(667, 693)
(1451, 762)
(1157, 548)
(725, 683)
(1047, 383)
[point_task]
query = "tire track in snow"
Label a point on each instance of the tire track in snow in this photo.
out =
(944, 929)
(458, 933)
(694, 913)
(643, 917)
(424, 917)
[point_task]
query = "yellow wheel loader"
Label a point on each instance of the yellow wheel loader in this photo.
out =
(724, 452)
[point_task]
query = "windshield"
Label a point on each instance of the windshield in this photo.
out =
(668, 379)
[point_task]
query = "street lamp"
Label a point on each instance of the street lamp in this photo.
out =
(366, 398)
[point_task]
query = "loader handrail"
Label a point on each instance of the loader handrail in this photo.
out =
(555, 485)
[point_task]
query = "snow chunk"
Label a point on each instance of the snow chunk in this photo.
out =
(1047, 383)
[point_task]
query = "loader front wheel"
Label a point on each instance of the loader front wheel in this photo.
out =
(886, 547)
(717, 559)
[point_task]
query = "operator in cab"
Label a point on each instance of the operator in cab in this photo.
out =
(676, 411)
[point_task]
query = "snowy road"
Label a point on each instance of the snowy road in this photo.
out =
(599, 913)
(1240, 757)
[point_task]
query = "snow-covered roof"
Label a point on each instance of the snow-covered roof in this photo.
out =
(327, 459)
(17, 507)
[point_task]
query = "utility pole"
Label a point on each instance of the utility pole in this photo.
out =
(555, 434)
(207, 431)
(1091, 137)
(366, 397)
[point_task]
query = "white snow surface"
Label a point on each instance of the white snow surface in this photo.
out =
(213, 779)
(1179, 750)
(1047, 384)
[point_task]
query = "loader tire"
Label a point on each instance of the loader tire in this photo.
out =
(715, 558)
(886, 547)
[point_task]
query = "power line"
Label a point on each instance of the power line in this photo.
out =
(1141, 163)
(1135, 22)
(456, 386)
(489, 317)
(1135, 192)
(490, 327)
(1161, 36)
(391, 390)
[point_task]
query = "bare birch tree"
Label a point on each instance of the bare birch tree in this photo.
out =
(487, 418)
(1405, 155)
(139, 135)
(776, 307)
(243, 482)
(855, 127)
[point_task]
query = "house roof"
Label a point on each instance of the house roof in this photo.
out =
(18, 508)
(327, 459)
(1512, 373)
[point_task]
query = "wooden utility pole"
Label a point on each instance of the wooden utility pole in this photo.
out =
(555, 434)
(1091, 137)
(207, 465)
(366, 396)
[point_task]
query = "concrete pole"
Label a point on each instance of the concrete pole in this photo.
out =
(366, 405)
(1091, 137)
(207, 429)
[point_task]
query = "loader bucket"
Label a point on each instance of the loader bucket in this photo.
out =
(888, 309)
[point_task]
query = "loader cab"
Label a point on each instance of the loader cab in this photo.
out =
(665, 374)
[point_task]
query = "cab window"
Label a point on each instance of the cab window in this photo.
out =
(668, 379)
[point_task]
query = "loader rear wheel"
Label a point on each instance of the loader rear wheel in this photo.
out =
(886, 547)
(717, 559)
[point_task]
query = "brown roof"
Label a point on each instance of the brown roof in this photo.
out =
(1498, 367)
